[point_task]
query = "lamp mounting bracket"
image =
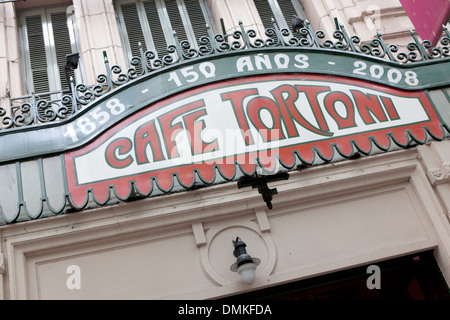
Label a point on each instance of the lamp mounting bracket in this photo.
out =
(260, 182)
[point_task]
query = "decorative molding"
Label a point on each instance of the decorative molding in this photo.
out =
(446, 167)
(439, 175)
(261, 216)
(436, 176)
(199, 234)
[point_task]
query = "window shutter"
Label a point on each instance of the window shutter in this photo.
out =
(197, 18)
(133, 27)
(288, 10)
(38, 60)
(265, 12)
(62, 44)
(175, 19)
(156, 28)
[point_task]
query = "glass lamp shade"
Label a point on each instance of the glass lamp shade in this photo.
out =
(246, 269)
(247, 272)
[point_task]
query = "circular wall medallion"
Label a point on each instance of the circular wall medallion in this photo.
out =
(217, 255)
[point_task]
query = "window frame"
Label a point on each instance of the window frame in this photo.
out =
(54, 80)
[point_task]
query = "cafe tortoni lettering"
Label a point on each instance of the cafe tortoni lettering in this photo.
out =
(273, 117)
(245, 121)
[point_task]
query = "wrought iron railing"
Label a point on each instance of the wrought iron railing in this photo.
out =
(39, 109)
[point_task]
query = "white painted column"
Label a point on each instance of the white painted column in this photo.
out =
(10, 77)
(98, 31)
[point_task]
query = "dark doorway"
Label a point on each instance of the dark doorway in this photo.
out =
(412, 277)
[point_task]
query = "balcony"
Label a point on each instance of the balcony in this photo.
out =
(50, 107)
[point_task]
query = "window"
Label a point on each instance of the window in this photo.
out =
(152, 23)
(281, 10)
(47, 36)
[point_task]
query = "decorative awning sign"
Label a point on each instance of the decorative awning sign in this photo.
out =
(266, 122)
(237, 106)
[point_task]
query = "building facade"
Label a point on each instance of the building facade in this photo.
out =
(140, 140)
